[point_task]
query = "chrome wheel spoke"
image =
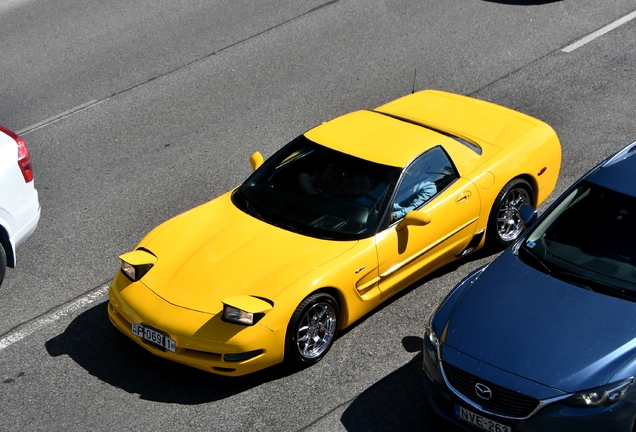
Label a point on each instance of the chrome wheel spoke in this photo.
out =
(509, 224)
(317, 330)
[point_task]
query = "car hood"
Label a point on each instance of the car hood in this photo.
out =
(216, 251)
(534, 326)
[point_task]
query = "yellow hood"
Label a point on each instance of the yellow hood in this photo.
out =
(216, 251)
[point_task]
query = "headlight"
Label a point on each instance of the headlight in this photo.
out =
(429, 333)
(431, 341)
(237, 316)
(601, 396)
(245, 310)
(137, 263)
(135, 273)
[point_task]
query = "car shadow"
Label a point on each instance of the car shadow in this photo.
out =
(397, 401)
(523, 2)
(94, 343)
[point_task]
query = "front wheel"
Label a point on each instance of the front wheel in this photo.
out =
(505, 225)
(312, 329)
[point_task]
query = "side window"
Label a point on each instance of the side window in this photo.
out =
(429, 174)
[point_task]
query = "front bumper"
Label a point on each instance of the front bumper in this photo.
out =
(202, 340)
(556, 416)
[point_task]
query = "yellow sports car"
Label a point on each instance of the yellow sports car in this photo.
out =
(329, 227)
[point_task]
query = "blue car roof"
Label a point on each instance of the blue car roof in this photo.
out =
(617, 175)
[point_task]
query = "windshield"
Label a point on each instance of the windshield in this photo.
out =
(588, 239)
(317, 191)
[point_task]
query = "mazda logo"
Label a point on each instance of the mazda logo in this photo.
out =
(483, 391)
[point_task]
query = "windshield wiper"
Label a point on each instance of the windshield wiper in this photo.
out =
(593, 284)
(286, 226)
(248, 206)
(577, 279)
(544, 266)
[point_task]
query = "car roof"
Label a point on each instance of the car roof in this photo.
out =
(383, 139)
(617, 175)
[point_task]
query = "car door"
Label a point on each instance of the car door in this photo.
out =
(432, 187)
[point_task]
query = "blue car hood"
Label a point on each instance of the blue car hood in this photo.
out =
(532, 325)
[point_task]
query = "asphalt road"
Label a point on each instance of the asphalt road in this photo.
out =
(137, 111)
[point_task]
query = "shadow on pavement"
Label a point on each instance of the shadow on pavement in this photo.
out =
(396, 402)
(93, 342)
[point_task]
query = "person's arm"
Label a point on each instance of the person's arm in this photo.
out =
(425, 191)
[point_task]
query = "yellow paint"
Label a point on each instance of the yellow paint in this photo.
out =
(138, 257)
(248, 304)
(215, 253)
(256, 160)
(414, 218)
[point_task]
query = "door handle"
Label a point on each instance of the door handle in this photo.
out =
(463, 197)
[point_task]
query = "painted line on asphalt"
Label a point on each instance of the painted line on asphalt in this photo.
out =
(30, 327)
(10, 3)
(60, 116)
(6, 5)
(608, 28)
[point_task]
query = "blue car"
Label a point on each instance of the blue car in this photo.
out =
(544, 337)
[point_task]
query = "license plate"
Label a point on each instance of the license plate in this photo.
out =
(480, 421)
(154, 337)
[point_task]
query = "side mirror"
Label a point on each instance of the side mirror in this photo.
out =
(256, 160)
(414, 218)
(528, 215)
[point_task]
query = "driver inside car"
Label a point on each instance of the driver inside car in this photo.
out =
(412, 198)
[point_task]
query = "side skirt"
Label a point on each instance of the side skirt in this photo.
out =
(474, 242)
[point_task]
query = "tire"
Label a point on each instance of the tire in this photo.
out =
(312, 329)
(3, 263)
(504, 224)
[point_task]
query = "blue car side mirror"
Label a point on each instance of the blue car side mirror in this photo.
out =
(528, 215)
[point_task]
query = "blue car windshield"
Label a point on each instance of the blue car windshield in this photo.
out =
(317, 191)
(588, 239)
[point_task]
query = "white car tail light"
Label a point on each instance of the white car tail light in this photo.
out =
(24, 159)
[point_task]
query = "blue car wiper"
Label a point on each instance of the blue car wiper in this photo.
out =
(593, 284)
(537, 260)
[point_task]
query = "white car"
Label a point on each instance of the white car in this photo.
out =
(19, 204)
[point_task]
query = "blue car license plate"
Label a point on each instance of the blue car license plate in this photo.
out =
(480, 421)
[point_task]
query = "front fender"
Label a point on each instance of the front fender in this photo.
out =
(345, 276)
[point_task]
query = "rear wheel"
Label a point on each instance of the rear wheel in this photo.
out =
(3, 262)
(505, 225)
(312, 329)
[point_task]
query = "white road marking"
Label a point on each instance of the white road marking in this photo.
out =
(608, 28)
(36, 324)
(58, 117)
(6, 5)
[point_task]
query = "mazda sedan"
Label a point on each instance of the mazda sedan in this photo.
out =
(544, 338)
